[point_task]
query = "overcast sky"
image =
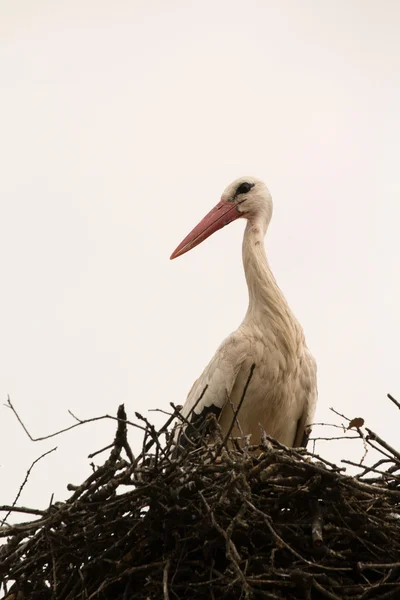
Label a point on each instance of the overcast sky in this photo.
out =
(121, 124)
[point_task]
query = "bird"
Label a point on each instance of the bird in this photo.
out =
(282, 390)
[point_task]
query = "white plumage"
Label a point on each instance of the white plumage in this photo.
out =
(282, 393)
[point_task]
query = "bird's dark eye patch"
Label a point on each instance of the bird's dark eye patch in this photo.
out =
(244, 188)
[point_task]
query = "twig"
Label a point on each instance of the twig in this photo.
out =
(334, 438)
(165, 579)
(374, 436)
(371, 470)
(80, 422)
(121, 440)
(155, 435)
(239, 406)
(21, 509)
(394, 400)
(93, 454)
(24, 483)
(339, 414)
(362, 566)
(316, 525)
(228, 398)
(325, 592)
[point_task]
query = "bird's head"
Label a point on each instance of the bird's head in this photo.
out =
(247, 197)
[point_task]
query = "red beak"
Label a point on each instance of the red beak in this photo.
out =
(222, 214)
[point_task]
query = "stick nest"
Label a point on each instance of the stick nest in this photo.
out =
(215, 522)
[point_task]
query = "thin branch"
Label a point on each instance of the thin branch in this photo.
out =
(326, 593)
(78, 424)
(21, 509)
(12, 508)
(239, 406)
(165, 579)
(316, 525)
(334, 438)
(93, 454)
(393, 400)
(339, 414)
(374, 436)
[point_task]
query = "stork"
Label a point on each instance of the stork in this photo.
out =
(282, 393)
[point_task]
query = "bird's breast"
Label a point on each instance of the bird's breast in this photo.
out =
(275, 397)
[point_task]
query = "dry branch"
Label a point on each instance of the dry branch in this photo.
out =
(278, 523)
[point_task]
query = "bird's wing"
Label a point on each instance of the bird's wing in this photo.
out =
(310, 385)
(211, 390)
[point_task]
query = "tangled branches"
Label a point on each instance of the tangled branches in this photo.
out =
(214, 522)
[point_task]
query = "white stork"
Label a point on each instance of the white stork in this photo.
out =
(282, 393)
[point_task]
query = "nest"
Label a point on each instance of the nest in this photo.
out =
(215, 522)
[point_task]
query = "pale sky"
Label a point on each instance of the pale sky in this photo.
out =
(121, 124)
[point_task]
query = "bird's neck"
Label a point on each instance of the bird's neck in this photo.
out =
(268, 308)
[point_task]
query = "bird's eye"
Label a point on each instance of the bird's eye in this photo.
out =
(244, 188)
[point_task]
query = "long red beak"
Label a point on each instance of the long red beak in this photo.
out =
(222, 214)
